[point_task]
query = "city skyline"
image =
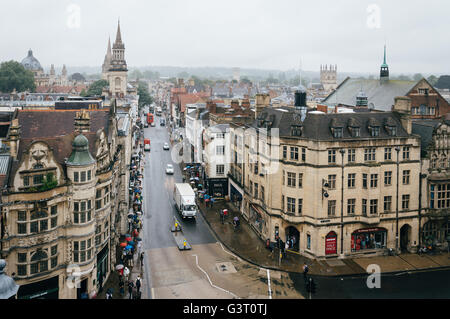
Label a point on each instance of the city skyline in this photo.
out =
(264, 36)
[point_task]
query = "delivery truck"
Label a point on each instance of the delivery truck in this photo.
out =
(184, 198)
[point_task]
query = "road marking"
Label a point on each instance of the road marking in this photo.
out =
(268, 283)
(210, 282)
(229, 252)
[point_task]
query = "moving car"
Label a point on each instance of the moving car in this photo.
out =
(153, 124)
(166, 146)
(145, 124)
(162, 122)
(169, 169)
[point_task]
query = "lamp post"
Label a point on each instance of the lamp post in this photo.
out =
(342, 151)
(8, 288)
(397, 149)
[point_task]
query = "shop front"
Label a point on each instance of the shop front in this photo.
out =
(44, 289)
(102, 265)
(331, 243)
(369, 238)
(235, 195)
(218, 187)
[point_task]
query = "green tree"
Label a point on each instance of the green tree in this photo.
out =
(246, 81)
(417, 77)
(83, 92)
(443, 82)
(136, 74)
(432, 79)
(144, 97)
(96, 88)
(14, 76)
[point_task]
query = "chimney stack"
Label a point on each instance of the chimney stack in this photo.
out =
(14, 138)
(402, 107)
(262, 101)
(235, 105)
(211, 106)
(82, 122)
(246, 103)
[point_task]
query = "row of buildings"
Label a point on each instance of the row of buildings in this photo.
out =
(64, 181)
(344, 179)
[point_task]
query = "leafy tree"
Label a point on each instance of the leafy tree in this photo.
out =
(136, 74)
(97, 87)
(83, 92)
(246, 81)
(14, 76)
(432, 79)
(144, 96)
(417, 77)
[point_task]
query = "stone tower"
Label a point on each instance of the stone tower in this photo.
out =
(107, 62)
(328, 77)
(118, 71)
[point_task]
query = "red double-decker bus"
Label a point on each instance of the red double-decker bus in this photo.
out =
(150, 118)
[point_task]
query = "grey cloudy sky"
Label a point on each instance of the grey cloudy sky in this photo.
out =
(243, 33)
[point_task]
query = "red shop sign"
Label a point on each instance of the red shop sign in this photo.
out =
(331, 244)
(368, 230)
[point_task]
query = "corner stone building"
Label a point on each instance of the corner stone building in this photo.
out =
(61, 211)
(341, 185)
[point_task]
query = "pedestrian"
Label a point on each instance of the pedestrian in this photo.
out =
(142, 259)
(212, 202)
(130, 289)
(121, 287)
(305, 270)
(286, 247)
(221, 216)
(138, 284)
(100, 282)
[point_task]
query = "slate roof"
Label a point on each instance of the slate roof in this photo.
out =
(379, 93)
(318, 126)
(425, 129)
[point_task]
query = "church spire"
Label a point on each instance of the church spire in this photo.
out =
(119, 35)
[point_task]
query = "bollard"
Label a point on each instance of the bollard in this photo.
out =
(184, 244)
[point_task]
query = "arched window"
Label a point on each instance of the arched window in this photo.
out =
(39, 262)
(117, 83)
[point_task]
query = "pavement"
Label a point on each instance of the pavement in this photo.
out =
(246, 244)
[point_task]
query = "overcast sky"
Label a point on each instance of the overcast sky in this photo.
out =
(269, 34)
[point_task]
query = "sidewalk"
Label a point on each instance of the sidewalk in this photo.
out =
(246, 244)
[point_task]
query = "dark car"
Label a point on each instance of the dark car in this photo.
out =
(162, 122)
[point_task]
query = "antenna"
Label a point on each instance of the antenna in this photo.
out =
(300, 71)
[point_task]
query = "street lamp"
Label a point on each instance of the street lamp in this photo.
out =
(342, 151)
(8, 288)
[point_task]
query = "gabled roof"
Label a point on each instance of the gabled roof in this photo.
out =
(380, 94)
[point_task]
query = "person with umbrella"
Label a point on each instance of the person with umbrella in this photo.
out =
(109, 293)
(236, 222)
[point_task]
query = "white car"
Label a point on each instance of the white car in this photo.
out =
(166, 146)
(169, 169)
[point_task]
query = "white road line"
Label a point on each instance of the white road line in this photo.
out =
(212, 285)
(268, 283)
(229, 252)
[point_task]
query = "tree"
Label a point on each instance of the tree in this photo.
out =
(83, 92)
(136, 74)
(403, 77)
(144, 96)
(14, 76)
(246, 81)
(97, 87)
(417, 77)
(432, 79)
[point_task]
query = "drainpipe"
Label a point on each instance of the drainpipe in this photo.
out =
(420, 205)
(342, 151)
(397, 149)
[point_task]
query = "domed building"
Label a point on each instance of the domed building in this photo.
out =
(32, 64)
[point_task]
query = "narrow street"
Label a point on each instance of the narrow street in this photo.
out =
(206, 271)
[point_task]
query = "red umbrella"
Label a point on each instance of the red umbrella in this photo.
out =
(123, 244)
(128, 239)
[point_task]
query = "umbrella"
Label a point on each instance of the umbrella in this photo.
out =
(184, 168)
(130, 215)
(192, 182)
(128, 239)
(235, 218)
(127, 235)
(138, 238)
(131, 243)
(200, 185)
(191, 179)
(128, 247)
(123, 244)
(196, 178)
(119, 267)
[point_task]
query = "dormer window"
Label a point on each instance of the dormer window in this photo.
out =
(337, 132)
(392, 130)
(374, 131)
(296, 130)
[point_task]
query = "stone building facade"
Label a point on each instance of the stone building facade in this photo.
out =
(61, 216)
(339, 184)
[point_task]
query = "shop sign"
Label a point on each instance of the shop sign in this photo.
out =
(331, 244)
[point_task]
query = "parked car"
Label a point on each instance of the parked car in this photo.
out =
(145, 124)
(166, 146)
(169, 169)
(153, 124)
(162, 122)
